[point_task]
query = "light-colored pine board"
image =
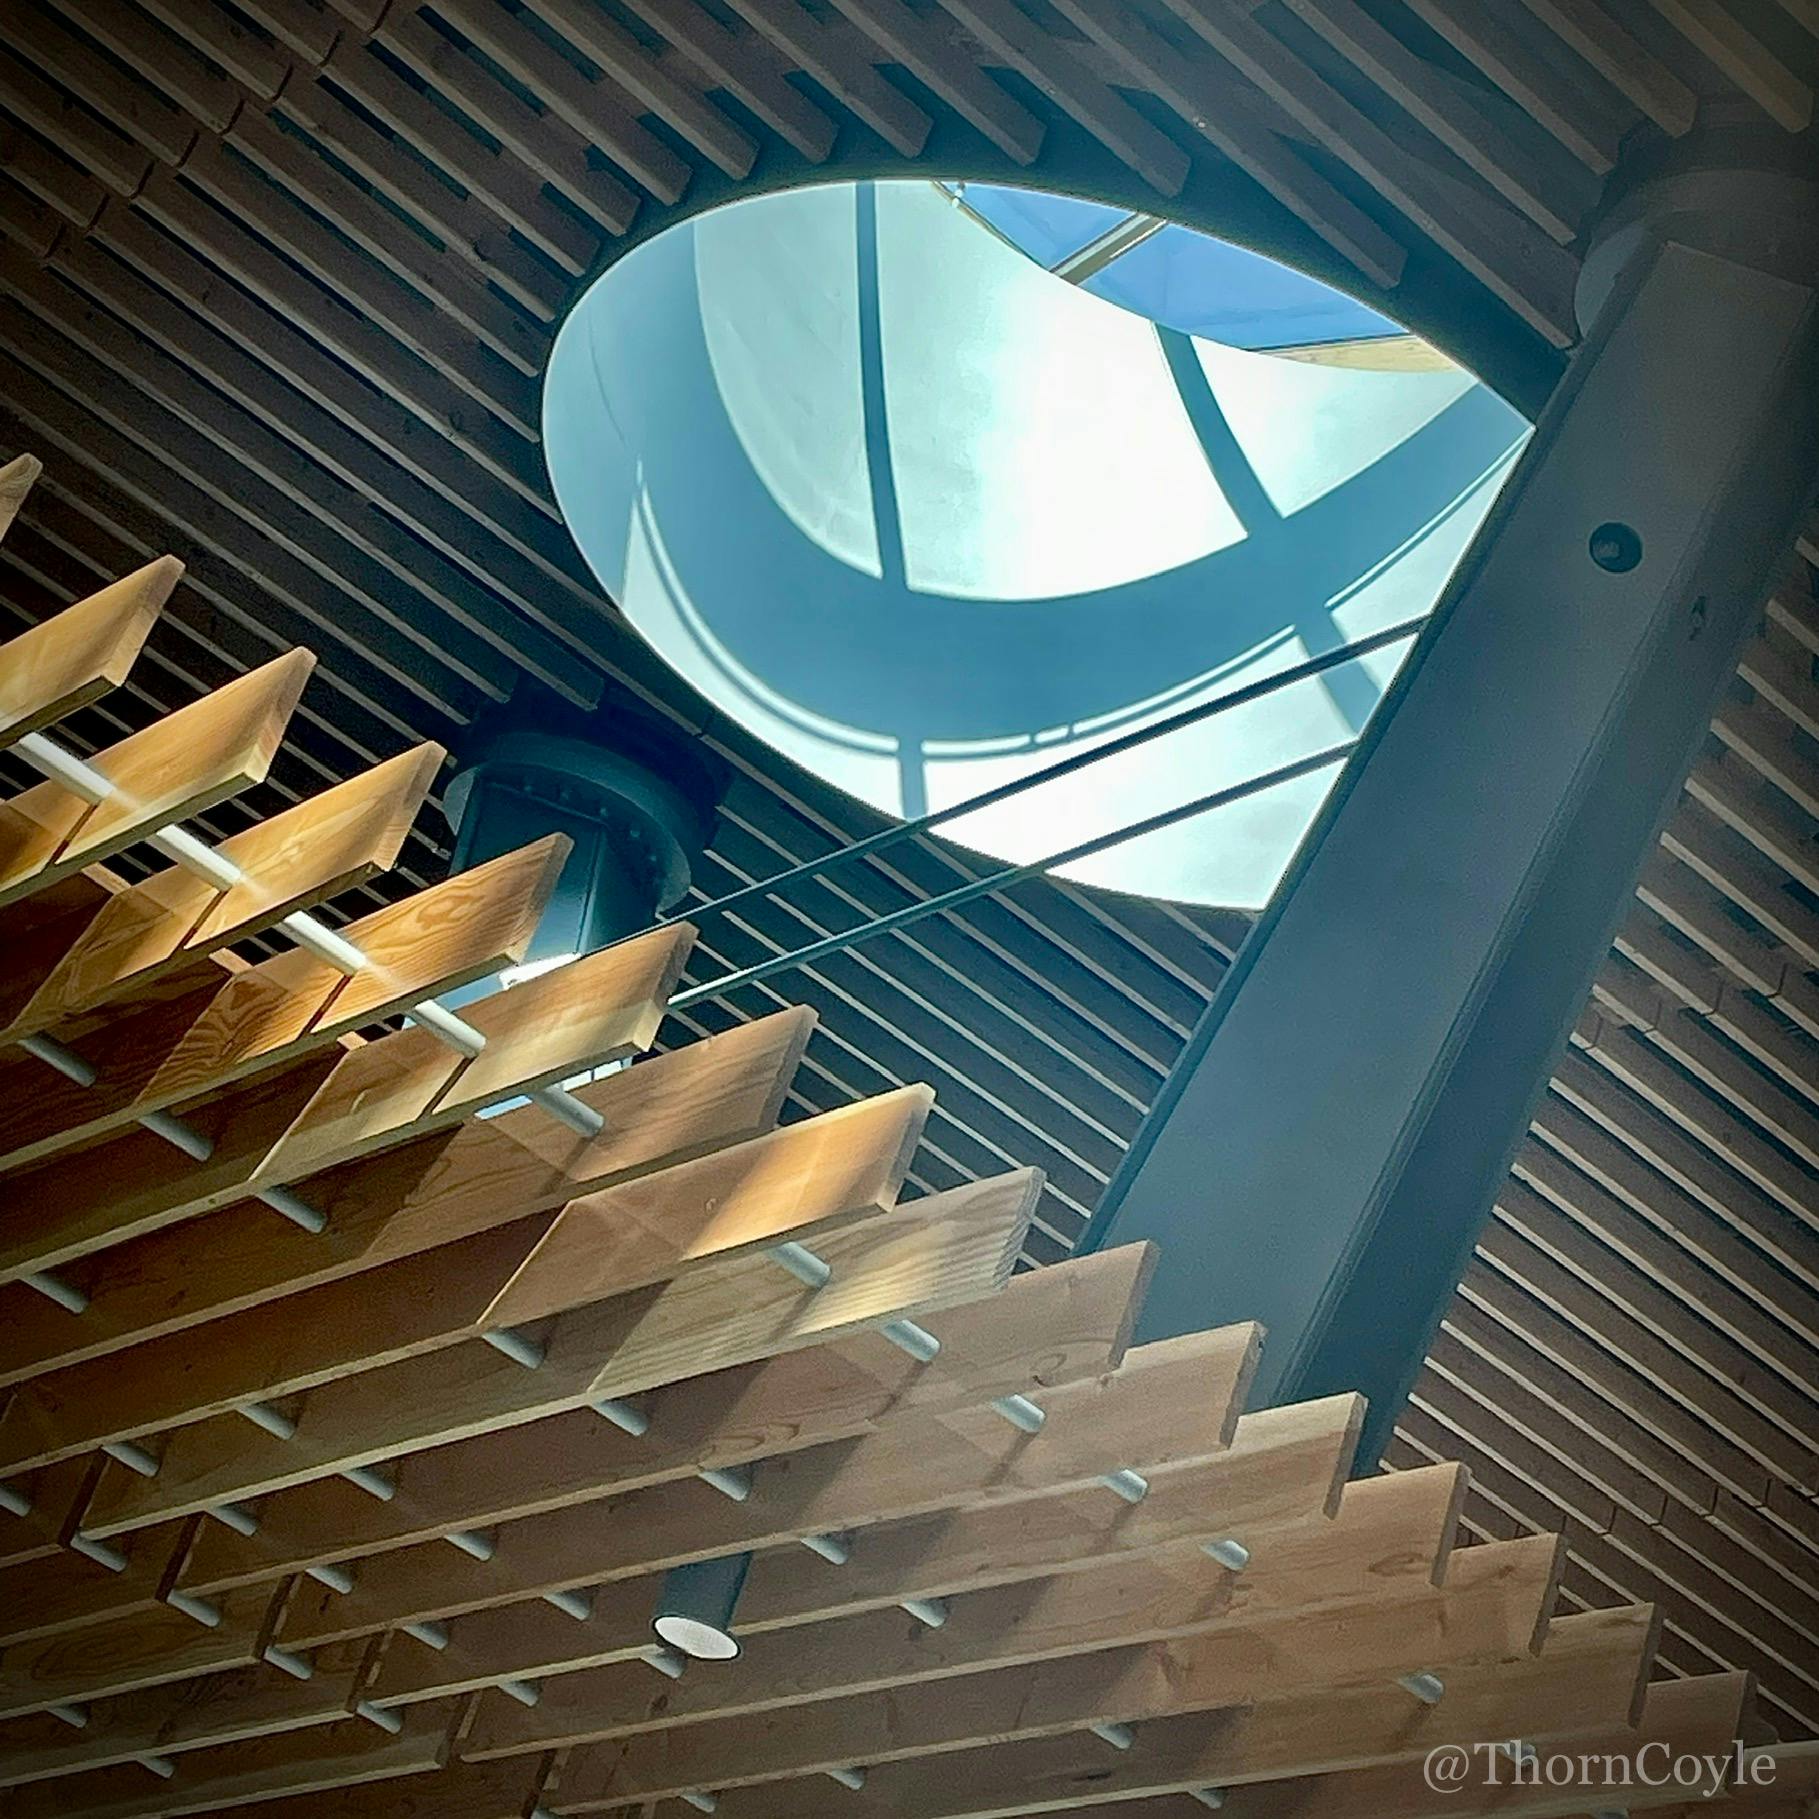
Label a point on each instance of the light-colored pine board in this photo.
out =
(1174, 1404)
(943, 1251)
(1045, 1329)
(16, 477)
(65, 662)
(430, 1191)
(176, 767)
(1590, 1673)
(442, 938)
(305, 1764)
(1125, 1595)
(159, 932)
(800, 1184)
(1494, 1613)
(331, 1110)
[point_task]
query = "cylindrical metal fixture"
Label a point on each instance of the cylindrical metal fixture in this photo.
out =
(695, 1608)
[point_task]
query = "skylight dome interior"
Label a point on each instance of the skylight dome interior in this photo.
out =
(928, 485)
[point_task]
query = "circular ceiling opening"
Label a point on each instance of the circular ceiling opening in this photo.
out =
(929, 485)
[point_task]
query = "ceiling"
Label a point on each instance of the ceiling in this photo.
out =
(277, 282)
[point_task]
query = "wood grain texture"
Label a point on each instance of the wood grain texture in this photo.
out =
(63, 663)
(151, 939)
(454, 933)
(435, 1188)
(953, 1249)
(725, 1205)
(177, 766)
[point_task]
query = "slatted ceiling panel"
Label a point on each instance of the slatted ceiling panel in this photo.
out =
(199, 1645)
(1659, 1237)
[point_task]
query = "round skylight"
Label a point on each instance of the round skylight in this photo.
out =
(930, 485)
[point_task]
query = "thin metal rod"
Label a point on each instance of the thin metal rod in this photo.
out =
(914, 1341)
(802, 1263)
(994, 882)
(1062, 767)
(54, 1288)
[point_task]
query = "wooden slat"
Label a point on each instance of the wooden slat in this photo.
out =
(157, 1720)
(68, 661)
(1043, 1330)
(950, 72)
(1624, 63)
(951, 1248)
(1272, 1485)
(1448, 113)
(1743, 57)
(802, 1183)
(912, 1467)
(1495, 1611)
(155, 1648)
(849, 78)
(154, 934)
(1225, 114)
(16, 477)
(175, 768)
(1045, 62)
(623, 58)
(326, 1112)
(440, 939)
(1696, 1718)
(1591, 1672)
(1569, 110)
(746, 67)
(331, 1756)
(1512, 260)
(1289, 1470)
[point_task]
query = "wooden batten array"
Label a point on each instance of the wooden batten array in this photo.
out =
(351, 1438)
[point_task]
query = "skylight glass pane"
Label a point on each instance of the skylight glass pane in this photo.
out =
(1187, 281)
(1047, 228)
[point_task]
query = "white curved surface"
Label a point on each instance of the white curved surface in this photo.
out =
(924, 518)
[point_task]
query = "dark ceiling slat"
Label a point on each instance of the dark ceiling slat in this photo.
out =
(426, 657)
(747, 67)
(550, 148)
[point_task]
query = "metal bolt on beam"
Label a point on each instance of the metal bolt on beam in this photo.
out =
(75, 1716)
(161, 1766)
(1213, 1797)
(288, 1662)
(336, 1578)
(205, 1613)
(1428, 1688)
(915, 1341)
(273, 1420)
(1133, 1487)
(669, 1662)
(1020, 1412)
(1119, 1736)
(506, 1339)
(54, 1288)
(381, 1715)
(431, 1635)
(626, 1416)
(579, 1605)
(98, 1551)
(802, 1263)
(134, 1457)
(1234, 1556)
(298, 1212)
(13, 1500)
(237, 1517)
(473, 1542)
(526, 1692)
(701, 1801)
(836, 1550)
(373, 1481)
(730, 1481)
(853, 1779)
(929, 1611)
